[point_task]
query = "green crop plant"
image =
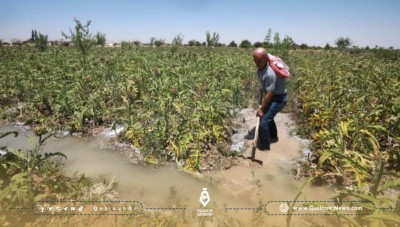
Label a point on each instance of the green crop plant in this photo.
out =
(348, 106)
(292, 203)
(31, 175)
(173, 106)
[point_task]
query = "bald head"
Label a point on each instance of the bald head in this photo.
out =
(260, 52)
(260, 57)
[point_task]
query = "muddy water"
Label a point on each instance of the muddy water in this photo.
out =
(243, 186)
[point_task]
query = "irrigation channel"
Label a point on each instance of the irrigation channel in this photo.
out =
(235, 193)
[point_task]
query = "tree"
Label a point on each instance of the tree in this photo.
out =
(232, 44)
(41, 42)
(136, 43)
(192, 43)
(258, 44)
(303, 46)
(159, 42)
(343, 43)
(34, 36)
(101, 39)
(267, 39)
(245, 44)
(288, 42)
(177, 42)
(327, 46)
(125, 45)
(152, 41)
(213, 39)
(81, 37)
(16, 42)
(277, 39)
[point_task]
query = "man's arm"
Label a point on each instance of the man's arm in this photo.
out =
(265, 101)
(270, 82)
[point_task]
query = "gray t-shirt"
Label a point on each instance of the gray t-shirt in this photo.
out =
(270, 81)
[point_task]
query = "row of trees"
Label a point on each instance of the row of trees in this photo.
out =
(212, 40)
(81, 36)
(38, 39)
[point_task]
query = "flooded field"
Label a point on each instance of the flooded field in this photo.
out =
(235, 193)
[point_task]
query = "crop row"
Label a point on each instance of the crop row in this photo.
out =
(172, 103)
(349, 106)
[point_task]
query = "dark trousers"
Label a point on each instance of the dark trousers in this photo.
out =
(273, 131)
(267, 128)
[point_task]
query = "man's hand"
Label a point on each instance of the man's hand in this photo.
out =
(264, 104)
(260, 113)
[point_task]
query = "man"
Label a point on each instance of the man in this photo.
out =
(275, 98)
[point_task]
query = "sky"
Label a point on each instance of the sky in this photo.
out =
(313, 22)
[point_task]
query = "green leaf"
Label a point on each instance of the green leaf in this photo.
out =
(348, 159)
(323, 158)
(390, 184)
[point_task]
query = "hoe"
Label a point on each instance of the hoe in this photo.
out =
(254, 148)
